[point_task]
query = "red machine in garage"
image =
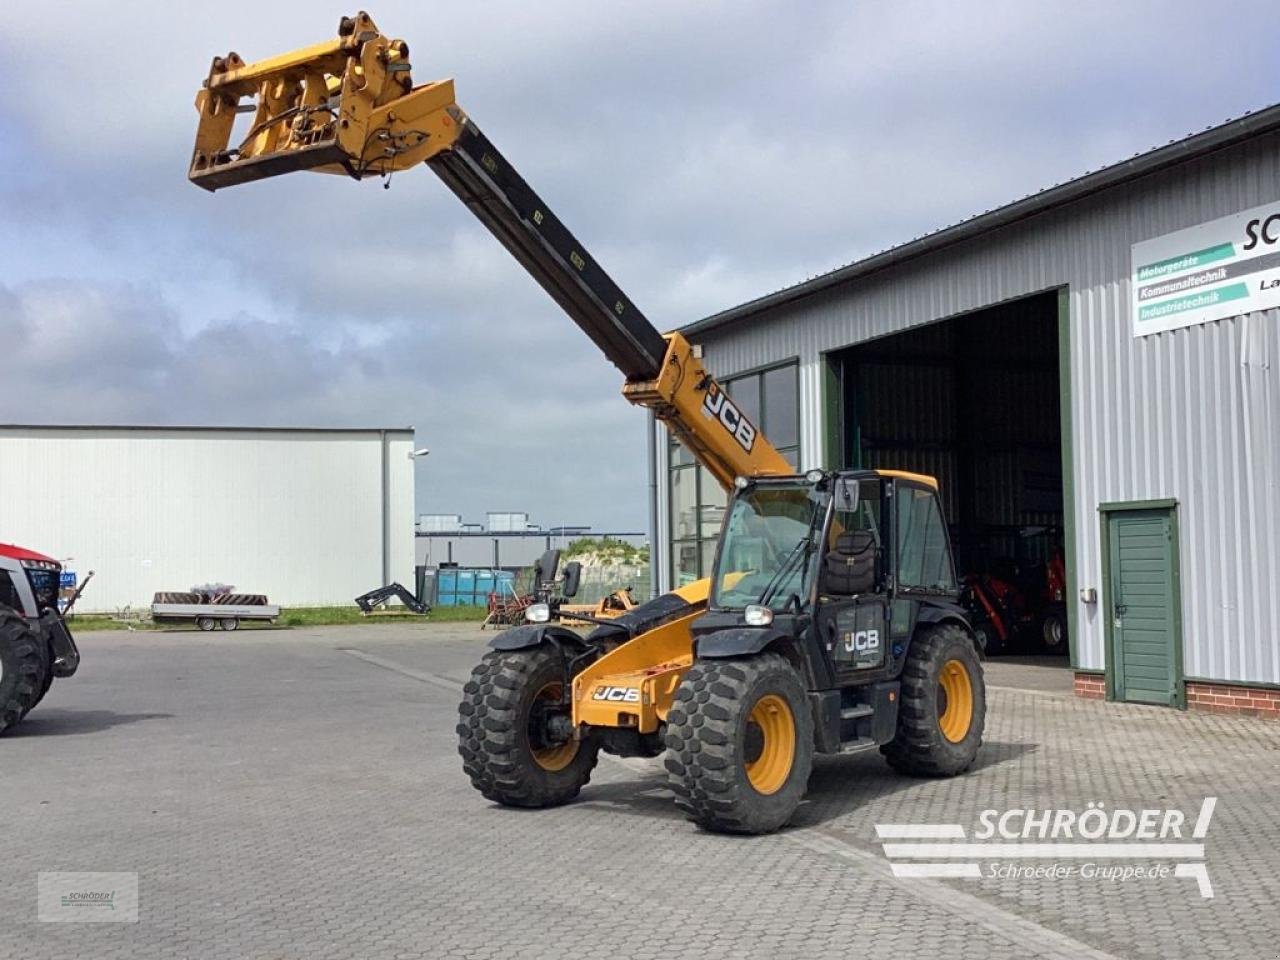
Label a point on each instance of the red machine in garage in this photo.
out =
(35, 644)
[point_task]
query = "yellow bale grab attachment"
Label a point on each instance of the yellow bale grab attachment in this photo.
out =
(344, 106)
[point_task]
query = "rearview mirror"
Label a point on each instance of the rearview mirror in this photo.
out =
(846, 494)
(544, 570)
(572, 577)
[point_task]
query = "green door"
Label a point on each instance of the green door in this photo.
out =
(1143, 598)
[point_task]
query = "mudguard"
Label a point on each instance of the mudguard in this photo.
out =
(738, 642)
(647, 616)
(530, 635)
(942, 611)
(65, 656)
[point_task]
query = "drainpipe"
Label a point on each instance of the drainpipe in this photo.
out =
(653, 504)
(386, 509)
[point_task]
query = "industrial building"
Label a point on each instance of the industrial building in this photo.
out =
(1095, 366)
(309, 517)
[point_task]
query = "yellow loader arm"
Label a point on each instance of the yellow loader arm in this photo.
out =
(349, 105)
(344, 106)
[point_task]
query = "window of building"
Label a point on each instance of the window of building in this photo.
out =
(771, 400)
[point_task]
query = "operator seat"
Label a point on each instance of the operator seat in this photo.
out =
(850, 567)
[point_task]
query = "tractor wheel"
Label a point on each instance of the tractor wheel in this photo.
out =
(943, 705)
(46, 674)
(22, 668)
(1053, 631)
(740, 742)
(986, 638)
(508, 748)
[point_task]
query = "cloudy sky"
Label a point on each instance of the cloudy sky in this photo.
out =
(705, 152)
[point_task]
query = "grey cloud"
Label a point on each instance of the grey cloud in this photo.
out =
(79, 352)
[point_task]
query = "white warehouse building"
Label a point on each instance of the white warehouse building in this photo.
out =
(310, 517)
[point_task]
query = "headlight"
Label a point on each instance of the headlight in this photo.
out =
(741, 483)
(538, 613)
(757, 615)
(815, 476)
(40, 564)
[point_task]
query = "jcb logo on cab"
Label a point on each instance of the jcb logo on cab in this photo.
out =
(862, 640)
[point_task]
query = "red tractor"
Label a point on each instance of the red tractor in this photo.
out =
(1006, 606)
(35, 644)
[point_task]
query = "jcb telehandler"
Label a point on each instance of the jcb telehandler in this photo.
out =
(830, 624)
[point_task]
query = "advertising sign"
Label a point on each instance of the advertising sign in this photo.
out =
(1223, 268)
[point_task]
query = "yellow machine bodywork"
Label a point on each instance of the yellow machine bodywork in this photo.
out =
(697, 410)
(633, 685)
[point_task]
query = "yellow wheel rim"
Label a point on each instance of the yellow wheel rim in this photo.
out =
(955, 701)
(560, 755)
(768, 771)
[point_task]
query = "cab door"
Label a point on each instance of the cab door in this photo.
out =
(923, 568)
(852, 627)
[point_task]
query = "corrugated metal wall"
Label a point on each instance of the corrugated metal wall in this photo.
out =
(1191, 414)
(294, 515)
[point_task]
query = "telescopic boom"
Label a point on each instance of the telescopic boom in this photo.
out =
(349, 106)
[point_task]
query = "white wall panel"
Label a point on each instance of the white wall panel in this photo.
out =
(297, 515)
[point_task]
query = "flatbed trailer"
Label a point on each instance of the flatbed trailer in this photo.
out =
(214, 616)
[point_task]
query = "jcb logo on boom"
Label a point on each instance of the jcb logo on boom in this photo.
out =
(717, 404)
(861, 641)
(617, 694)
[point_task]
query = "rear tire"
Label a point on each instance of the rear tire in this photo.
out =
(986, 639)
(943, 705)
(500, 738)
(1053, 631)
(740, 741)
(23, 668)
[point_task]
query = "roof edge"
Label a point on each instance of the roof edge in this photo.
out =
(186, 428)
(1143, 164)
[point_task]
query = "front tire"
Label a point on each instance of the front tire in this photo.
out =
(46, 674)
(943, 705)
(23, 668)
(502, 731)
(740, 741)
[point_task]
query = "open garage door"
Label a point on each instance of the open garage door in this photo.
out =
(975, 401)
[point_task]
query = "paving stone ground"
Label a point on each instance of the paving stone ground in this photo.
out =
(297, 794)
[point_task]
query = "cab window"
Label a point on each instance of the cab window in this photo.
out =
(924, 556)
(8, 592)
(865, 517)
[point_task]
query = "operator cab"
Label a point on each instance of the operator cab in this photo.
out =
(843, 561)
(29, 581)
